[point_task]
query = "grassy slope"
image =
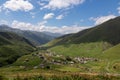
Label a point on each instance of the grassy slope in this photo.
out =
(107, 32)
(112, 56)
(114, 52)
(33, 61)
(109, 56)
(83, 49)
(12, 46)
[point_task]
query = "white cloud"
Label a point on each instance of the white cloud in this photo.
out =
(3, 22)
(48, 16)
(15, 5)
(42, 23)
(118, 10)
(42, 27)
(59, 17)
(71, 29)
(61, 4)
(102, 19)
(22, 25)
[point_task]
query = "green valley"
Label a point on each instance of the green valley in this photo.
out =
(91, 54)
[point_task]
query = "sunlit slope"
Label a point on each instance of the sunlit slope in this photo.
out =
(106, 32)
(83, 49)
(112, 53)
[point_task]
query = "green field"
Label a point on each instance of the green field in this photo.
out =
(91, 54)
(109, 56)
(83, 49)
(106, 68)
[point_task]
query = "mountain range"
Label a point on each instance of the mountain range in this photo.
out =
(37, 38)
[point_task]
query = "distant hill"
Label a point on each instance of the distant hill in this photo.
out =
(37, 38)
(108, 32)
(12, 46)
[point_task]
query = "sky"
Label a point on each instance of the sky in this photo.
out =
(57, 16)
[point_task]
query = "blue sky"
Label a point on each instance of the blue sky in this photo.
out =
(62, 16)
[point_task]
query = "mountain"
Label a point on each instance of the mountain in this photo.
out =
(53, 34)
(107, 32)
(12, 46)
(37, 38)
(91, 42)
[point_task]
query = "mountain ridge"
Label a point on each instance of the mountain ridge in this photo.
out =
(108, 31)
(37, 38)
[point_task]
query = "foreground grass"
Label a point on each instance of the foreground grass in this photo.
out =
(15, 73)
(71, 77)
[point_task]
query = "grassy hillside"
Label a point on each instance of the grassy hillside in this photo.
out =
(100, 42)
(13, 46)
(91, 42)
(107, 32)
(113, 52)
(33, 61)
(83, 49)
(112, 57)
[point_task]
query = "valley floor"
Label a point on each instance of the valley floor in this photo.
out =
(50, 65)
(46, 65)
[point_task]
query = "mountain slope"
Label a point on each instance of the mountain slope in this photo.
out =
(112, 53)
(13, 46)
(37, 38)
(92, 49)
(108, 32)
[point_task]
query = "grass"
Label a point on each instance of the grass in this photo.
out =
(9, 53)
(83, 49)
(68, 68)
(13, 73)
(109, 56)
(112, 56)
(114, 52)
(104, 69)
(33, 61)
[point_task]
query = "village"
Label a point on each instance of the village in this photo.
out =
(51, 58)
